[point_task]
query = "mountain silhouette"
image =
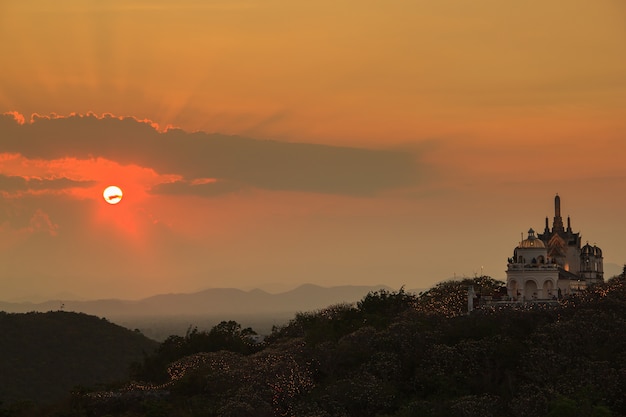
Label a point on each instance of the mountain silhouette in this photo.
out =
(214, 301)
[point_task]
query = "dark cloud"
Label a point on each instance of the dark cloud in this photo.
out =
(210, 189)
(262, 164)
(16, 183)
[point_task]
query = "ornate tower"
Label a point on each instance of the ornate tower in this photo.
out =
(563, 244)
(591, 264)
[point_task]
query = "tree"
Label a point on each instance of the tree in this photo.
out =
(566, 407)
(380, 307)
(449, 298)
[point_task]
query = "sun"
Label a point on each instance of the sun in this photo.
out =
(112, 194)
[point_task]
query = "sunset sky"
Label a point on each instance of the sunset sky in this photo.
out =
(270, 143)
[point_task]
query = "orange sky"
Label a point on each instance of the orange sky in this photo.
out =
(447, 127)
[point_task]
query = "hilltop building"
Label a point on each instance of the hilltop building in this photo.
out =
(552, 264)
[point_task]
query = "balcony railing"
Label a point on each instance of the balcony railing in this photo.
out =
(546, 267)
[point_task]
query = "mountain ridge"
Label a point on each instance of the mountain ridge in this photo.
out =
(212, 301)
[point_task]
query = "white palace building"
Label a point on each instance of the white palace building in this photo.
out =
(552, 264)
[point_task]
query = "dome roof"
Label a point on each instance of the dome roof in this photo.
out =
(598, 251)
(587, 250)
(532, 241)
(591, 250)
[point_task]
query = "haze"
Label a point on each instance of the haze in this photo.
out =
(265, 144)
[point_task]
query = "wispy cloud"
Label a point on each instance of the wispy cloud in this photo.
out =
(200, 189)
(10, 184)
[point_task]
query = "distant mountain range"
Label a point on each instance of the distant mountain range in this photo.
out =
(216, 301)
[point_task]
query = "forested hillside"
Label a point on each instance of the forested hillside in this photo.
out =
(43, 356)
(393, 354)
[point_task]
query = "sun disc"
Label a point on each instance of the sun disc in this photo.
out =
(112, 194)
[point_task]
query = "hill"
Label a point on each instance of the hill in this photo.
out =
(396, 355)
(45, 355)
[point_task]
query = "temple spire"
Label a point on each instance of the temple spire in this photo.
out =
(557, 206)
(557, 225)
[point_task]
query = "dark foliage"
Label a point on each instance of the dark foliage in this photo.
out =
(227, 335)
